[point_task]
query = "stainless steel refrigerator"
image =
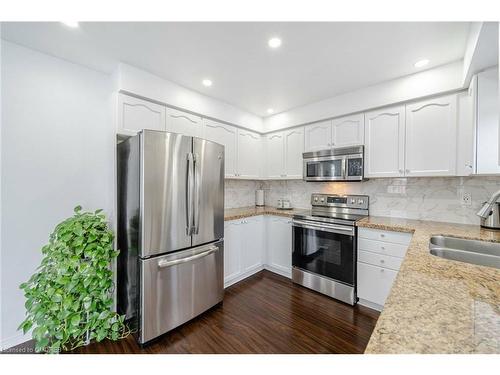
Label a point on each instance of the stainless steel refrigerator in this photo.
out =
(170, 230)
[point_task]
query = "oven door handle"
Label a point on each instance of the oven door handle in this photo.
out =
(324, 227)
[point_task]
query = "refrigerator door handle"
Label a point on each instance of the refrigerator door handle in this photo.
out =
(189, 193)
(170, 263)
(196, 194)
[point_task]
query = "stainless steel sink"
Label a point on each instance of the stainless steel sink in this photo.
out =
(469, 251)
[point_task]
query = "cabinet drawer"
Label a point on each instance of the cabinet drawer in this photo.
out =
(384, 248)
(374, 283)
(384, 235)
(380, 260)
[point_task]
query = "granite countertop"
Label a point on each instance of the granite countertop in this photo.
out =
(242, 212)
(438, 305)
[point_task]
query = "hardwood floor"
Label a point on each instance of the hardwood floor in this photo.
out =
(265, 313)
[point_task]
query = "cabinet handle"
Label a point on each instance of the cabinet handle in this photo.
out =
(382, 235)
(382, 261)
(401, 171)
(382, 247)
(381, 270)
(407, 171)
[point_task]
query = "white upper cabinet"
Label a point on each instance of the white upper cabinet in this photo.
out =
(226, 136)
(431, 137)
(136, 114)
(275, 162)
(384, 142)
(249, 148)
(348, 131)
(284, 154)
(294, 147)
(183, 123)
(318, 136)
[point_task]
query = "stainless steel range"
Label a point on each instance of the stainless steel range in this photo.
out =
(324, 245)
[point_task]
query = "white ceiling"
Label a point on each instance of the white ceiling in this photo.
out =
(315, 61)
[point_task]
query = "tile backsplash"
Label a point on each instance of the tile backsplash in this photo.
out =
(427, 198)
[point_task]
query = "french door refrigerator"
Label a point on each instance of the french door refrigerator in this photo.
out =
(170, 230)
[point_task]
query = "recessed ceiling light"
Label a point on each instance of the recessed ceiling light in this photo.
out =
(207, 82)
(421, 63)
(72, 24)
(274, 42)
(270, 111)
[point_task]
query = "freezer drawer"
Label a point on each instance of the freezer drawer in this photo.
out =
(178, 287)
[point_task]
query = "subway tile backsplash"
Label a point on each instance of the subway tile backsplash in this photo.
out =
(427, 198)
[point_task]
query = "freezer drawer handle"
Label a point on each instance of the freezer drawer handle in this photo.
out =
(170, 263)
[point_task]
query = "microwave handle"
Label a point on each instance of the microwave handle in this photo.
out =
(344, 168)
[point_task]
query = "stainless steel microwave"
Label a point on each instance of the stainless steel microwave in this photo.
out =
(337, 164)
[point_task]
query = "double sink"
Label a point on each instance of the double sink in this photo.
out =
(482, 253)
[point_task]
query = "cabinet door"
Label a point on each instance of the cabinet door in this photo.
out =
(226, 136)
(318, 136)
(431, 137)
(233, 242)
(465, 132)
(294, 147)
(279, 244)
(384, 142)
(487, 147)
(253, 243)
(249, 154)
(184, 123)
(275, 167)
(348, 131)
(136, 114)
(374, 283)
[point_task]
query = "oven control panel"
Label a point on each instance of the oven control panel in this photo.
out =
(347, 201)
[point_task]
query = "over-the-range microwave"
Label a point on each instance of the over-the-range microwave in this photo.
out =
(336, 164)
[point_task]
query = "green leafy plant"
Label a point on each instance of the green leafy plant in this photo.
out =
(69, 298)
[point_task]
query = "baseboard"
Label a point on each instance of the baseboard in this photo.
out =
(283, 271)
(9, 342)
(371, 305)
(243, 275)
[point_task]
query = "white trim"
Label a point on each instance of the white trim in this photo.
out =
(283, 271)
(371, 305)
(230, 281)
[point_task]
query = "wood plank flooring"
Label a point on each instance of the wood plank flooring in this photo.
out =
(265, 313)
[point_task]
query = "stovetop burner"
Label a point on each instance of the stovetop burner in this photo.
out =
(337, 209)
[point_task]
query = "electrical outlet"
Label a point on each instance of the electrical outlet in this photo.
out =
(466, 199)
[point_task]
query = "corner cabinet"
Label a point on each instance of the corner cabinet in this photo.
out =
(135, 114)
(385, 142)
(431, 137)
(249, 149)
(183, 123)
(244, 248)
(279, 245)
(225, 135)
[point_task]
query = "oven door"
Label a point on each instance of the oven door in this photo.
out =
(325, 168)
(325, 249)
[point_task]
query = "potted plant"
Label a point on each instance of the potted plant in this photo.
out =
(69, 298)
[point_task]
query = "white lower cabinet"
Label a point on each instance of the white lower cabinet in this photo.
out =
(279, 245)
(254, 243)
(380, 254)
(244, 248)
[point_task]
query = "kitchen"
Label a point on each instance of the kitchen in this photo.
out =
(358, 214)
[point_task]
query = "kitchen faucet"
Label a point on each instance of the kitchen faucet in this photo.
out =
(484, 212)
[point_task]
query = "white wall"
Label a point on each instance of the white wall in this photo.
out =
(431, 82)
(57, 151)
(147, 85)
